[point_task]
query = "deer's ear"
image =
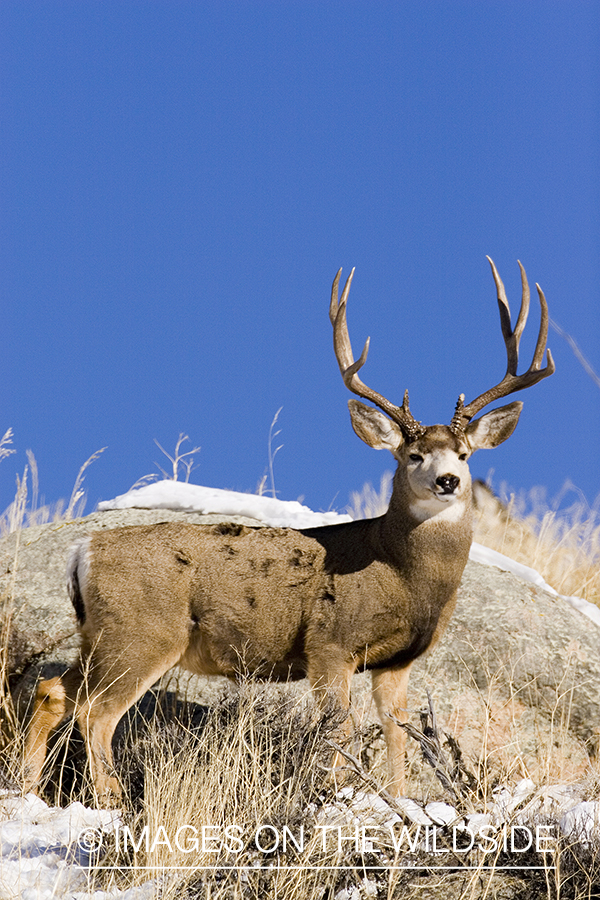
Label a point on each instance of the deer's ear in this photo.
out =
(493, 428)
(374, 428)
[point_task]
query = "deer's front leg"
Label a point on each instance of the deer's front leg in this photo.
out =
(330, 676)
(390, 695)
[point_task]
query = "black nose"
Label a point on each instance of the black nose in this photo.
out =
(448, 483)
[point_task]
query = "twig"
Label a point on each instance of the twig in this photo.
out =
(273, 454)
(357, 765)
(449, 773)
(7, 439)
(577, 352)
(77, 493)
(177, 460)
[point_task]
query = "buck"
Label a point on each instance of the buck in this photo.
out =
(320, 603)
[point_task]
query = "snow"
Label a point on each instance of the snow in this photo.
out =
(507, 801)
(441, 813)
(50, 852)
(47, 852)
(581, 822)
(196, 498)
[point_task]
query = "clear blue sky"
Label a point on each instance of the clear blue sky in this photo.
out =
(180, 182)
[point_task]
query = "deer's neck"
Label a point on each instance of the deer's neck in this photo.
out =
(434, 543)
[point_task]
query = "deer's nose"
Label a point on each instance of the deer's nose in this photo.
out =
(448, 483)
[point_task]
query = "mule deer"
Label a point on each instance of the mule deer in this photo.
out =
(286, 604)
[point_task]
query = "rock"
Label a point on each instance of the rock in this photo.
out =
(515, 662)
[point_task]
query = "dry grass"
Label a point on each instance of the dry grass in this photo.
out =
(251, 777)
(560, 542)
(369, 502)
(213, 794)
(24, 511)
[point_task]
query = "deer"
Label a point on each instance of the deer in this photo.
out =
(284, 604)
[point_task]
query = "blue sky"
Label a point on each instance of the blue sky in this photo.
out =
(180, 181)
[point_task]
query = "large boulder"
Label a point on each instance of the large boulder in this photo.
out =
(517, 672)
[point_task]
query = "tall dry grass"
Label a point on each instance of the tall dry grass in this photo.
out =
(230, 803)
(24, 512)
(242, 791)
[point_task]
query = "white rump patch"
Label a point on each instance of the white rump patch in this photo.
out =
(78, 564)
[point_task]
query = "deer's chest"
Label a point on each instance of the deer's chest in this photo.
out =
(385, 619)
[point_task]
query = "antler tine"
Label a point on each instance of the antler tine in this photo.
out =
(342, 345)
(341, 337)
(334, 305)
(511, 381)
(543, 335)
(523, 313)
(349, 368)
(511, 338)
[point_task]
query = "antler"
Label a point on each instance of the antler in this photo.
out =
(349, 369)
(511, 381)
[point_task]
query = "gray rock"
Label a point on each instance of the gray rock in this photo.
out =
(545, 649)
(514, 658)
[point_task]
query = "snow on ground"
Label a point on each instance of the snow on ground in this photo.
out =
(49, 852)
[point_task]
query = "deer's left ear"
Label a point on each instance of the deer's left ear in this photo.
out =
(493, 428)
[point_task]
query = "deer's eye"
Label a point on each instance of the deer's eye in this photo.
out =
(463, 456)
(416, 457)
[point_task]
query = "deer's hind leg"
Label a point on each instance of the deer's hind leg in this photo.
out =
(108, 692)
(55, 699)
(99, 691)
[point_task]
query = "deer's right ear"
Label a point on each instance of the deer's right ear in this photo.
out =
(374, 428)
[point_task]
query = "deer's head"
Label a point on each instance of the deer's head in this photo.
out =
(435, 458)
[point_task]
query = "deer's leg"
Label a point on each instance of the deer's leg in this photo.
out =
(106, 696)
(97, 721)
(330, 678)
(390, 695)
(54, 700)
(99, 690)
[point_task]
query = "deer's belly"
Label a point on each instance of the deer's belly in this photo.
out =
(248, 637)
